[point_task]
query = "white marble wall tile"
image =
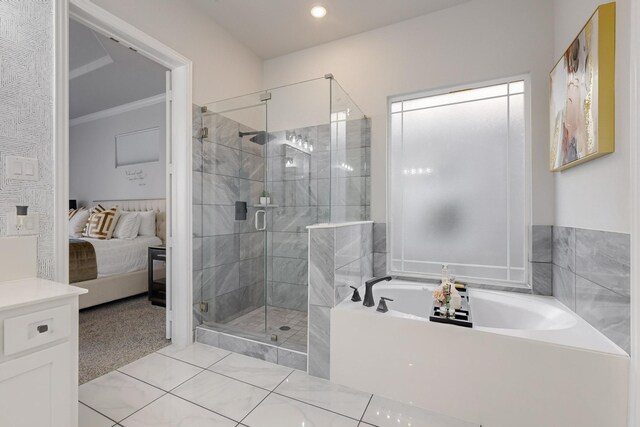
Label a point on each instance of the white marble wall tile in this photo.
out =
(197, 220)
(366, 267)
(221, 160)
(207, 336)
(218, 250)
(250, 191)
(322, 266)
(604, 258)
(197, 253)
(218, 220)
(319, 350)
(220, 280)
(607, 311)
(222, 130)
(542, 243)
(366, 233)
(290, 219)
(248, 348)
(379, 264)
(197, 159)
(379, 237)
(290, 245)
(220, 189)
(289, 270)
(252, 271)
(564, 286)
(542, 278)
(252, 167)
(288, 295)
(564, 245)
(345, 277)
(292, 359)
(252, 245)
(348, 245)
(197, 188)
(197, 286)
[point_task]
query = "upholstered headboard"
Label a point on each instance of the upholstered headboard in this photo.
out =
(139, 205)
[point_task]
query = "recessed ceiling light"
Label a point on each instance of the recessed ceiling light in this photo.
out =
(318, 11)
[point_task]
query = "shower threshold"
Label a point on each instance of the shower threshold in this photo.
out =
(284, 342)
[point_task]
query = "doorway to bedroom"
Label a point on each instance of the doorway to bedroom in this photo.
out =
(118, 127)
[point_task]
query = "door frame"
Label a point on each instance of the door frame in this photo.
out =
(634, 376)
(179, 208)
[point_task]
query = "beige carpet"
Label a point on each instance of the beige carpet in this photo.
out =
(115, 334)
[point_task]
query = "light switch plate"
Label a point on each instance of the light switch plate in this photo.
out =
(21, 168)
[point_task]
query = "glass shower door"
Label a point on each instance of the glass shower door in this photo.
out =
(233, 220)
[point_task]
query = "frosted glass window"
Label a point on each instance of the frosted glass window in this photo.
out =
(458, 184)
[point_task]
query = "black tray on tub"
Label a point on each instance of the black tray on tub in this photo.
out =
(461, 318)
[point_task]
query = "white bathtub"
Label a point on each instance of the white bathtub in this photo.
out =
(527, 361)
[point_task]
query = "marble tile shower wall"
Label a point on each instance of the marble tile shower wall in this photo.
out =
(351, 170)
(228, 268)
(339, 257)
(311, 187)
(590, 273)
(298, 183)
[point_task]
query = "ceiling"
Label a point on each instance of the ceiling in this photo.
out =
(104, 74)
(276, 27)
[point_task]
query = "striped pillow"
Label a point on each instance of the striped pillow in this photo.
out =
(101, 223)
(73, 212)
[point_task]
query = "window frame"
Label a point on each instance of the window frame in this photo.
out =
(526, 284)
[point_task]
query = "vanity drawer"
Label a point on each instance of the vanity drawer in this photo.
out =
(35, 329)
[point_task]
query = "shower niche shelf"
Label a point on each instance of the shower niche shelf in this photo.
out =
(265, 206)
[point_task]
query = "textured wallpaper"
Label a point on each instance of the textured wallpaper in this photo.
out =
(26, 114)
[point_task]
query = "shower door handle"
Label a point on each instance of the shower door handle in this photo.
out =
(257, 220)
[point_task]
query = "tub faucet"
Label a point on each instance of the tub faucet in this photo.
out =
(368, 293)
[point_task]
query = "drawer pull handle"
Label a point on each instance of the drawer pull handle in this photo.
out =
(43, 328)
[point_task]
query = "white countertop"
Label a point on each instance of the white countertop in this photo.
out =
(18, 293)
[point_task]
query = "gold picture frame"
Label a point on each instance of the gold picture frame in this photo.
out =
(582, 94)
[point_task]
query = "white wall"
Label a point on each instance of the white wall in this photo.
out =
(222, 66)
(26, 117)
(477, 41)
(596, 194)
(92, 171)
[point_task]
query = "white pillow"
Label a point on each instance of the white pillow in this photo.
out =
(147, 223)
(127, 226)
(77, 222)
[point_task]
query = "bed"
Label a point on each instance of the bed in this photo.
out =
(121, 264)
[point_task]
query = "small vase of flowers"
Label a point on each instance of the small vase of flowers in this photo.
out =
(448, 297)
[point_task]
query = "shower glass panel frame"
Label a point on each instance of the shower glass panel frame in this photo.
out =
(300, 144)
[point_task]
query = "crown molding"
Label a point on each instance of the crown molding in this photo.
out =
(135, 105)
(91, 66)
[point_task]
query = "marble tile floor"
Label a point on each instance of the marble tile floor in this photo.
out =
(206, 386)
(253, 323)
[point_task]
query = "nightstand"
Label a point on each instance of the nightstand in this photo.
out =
(157, 286)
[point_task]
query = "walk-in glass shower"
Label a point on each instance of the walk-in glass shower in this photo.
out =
(265, 166)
